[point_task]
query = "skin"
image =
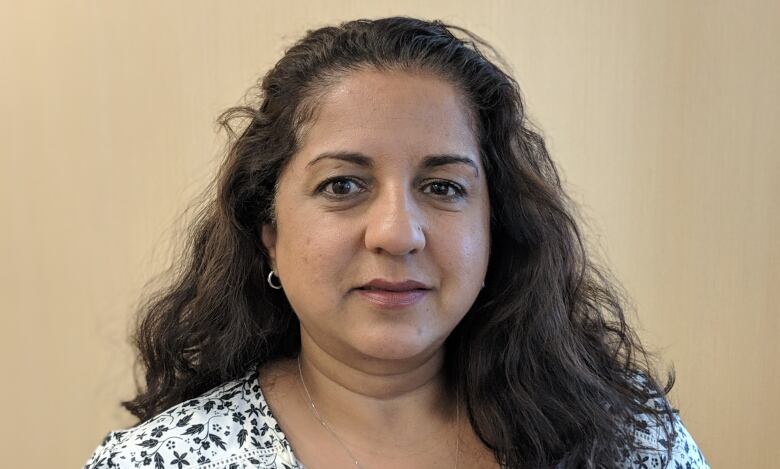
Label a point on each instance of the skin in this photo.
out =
(374, 373)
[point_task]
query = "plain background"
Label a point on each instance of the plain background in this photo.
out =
(663, 118)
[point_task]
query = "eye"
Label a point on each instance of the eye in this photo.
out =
(341, 186)
(442, 188)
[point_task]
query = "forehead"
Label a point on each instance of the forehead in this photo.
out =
(390, 113)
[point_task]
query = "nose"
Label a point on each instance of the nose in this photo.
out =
(394, 224)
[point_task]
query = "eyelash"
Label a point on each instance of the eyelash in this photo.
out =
(460, 192)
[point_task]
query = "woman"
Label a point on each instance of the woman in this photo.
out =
(391, 276)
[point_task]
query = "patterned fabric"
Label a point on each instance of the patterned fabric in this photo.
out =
(685, 452)
(228, 427)
(232, 427)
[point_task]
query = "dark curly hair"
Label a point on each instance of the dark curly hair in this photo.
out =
(545, 358)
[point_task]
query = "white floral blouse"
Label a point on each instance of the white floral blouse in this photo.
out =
(232, 427)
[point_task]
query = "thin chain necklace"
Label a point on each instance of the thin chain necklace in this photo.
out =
(357, 464)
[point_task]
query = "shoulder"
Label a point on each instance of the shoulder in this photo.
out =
(229, 426)
(656, 438)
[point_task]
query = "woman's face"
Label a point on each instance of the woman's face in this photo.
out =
(370, 195)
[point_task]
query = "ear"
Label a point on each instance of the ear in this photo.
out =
(268, 235)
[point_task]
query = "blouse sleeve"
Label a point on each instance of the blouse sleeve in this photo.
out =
(103, 457)
(685, 452)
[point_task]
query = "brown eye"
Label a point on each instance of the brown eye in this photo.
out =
(340, 186)
(443, 188)
(440, 189)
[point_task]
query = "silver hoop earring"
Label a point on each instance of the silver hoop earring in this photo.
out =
(483, 284)
(271, 283)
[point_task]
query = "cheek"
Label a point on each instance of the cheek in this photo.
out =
(465, 256)
(312, 256)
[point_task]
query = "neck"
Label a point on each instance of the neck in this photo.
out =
(374, 402)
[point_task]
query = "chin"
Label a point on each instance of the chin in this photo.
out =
(396, 350)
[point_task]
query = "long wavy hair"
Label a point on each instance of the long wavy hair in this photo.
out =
(545, 357)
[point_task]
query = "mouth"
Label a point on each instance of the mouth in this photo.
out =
(379, 284)
(392, 299)
(390, 294)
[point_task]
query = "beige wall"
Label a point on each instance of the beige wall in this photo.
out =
(663, 116)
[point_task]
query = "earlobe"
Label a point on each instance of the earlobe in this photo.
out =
(268, 236)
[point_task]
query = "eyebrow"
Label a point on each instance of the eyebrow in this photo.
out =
(429, 161)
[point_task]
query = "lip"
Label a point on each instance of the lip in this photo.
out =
(393, 299)
(388, 294)
(402, 286)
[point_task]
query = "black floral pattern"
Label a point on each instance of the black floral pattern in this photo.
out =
(685, 453)
(232, 427)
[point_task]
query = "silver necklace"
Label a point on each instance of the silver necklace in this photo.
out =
(357, 464)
